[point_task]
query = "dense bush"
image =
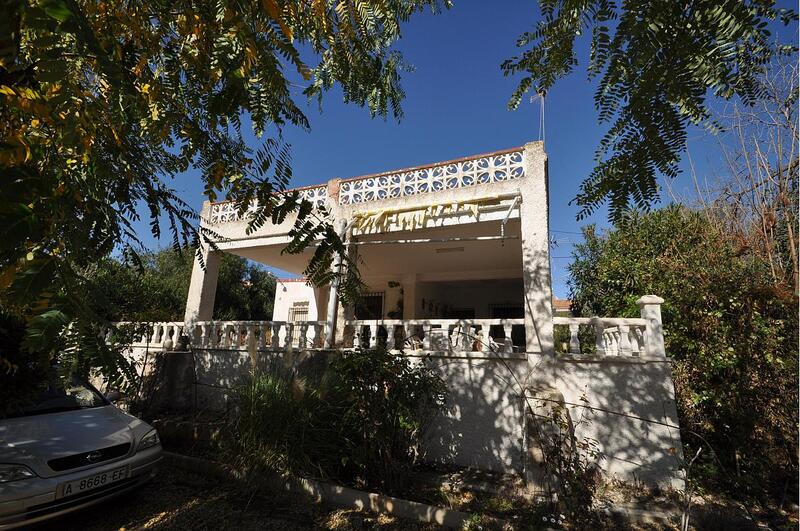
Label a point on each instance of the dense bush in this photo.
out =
(359, 424)
(730, 328)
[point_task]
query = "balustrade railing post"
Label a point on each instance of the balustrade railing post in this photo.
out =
(650, 310)
(213, 334)
(407, 334)
(287, 342)
(154, 340)
(390, 329)
(637, 341)
(262, 335)
(509, 343)
(599, 339)
(574, 340)
(624, 340)
(276, 336)
(311, 335)
(373, 335)
(302, 341)
(199, 334)
(485, 338)
(251, 337)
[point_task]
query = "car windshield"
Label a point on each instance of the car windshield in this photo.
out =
(60, 393)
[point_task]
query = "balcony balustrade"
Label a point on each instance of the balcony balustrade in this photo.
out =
(490, 168)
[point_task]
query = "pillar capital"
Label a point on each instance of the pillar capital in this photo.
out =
(649, 299)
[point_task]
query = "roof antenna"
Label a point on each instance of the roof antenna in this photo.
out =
(540, 96)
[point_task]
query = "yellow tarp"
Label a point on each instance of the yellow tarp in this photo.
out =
(416, 217)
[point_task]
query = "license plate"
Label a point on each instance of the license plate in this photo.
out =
(92, 482)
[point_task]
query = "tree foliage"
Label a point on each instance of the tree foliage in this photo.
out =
(656, 62)
(101, 103)
(158, 291)
(730, 328)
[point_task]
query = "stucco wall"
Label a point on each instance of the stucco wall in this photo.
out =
(626, 405)
(287, 292)
(482, 425)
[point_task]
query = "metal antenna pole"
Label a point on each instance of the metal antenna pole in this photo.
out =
(541, 127)
(540, 97)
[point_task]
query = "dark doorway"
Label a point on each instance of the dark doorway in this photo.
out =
(509, 311)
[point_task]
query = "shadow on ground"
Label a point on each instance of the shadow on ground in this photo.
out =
(179, 500)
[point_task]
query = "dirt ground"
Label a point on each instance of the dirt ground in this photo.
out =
(182, 500)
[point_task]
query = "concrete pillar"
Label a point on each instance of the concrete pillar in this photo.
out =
(346, 312)
(650, 309)
(534, 222)
(333, 298)
(409, 283)
(203, 287)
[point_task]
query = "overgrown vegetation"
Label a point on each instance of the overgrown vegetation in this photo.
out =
(730, 329)
(359, 423)
(728, 271)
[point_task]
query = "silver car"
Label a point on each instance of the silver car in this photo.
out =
(69, 448)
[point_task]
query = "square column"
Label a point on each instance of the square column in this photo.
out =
(203, 287)
(409, 283)
(535, 233)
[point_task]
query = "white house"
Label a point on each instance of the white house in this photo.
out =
(455, 256)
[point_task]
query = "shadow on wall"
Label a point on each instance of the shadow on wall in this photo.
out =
(628, 407)
(625, 405)
(483, 423)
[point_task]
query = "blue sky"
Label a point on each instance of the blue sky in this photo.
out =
(455, 106)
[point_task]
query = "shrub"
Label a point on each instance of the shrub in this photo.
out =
(361, 423)
(730, 328)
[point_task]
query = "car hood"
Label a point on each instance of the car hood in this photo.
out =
(36, 439)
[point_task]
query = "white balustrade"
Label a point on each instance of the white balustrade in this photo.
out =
(435, 335)
(226, 335)
(624, 337)
(471, 171)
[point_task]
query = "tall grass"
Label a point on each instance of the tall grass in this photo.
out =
(360, 423)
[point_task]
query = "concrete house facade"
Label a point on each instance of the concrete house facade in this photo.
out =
(455, 259)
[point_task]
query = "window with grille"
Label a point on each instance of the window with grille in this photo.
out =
(298, 313)
(370, 306)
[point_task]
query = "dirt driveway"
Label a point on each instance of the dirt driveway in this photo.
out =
(182, 500)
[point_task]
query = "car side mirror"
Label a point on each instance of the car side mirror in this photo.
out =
(113, 396)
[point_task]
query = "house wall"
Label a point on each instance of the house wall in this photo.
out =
(287, 292)
(483, 422)
(478, 295)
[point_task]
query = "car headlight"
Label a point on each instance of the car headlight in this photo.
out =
(15, 473)
(149, 440)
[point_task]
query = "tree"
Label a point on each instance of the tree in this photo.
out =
(657, 61)
(756, 199)
(158, 292)
(101, 103)
(729, 327)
